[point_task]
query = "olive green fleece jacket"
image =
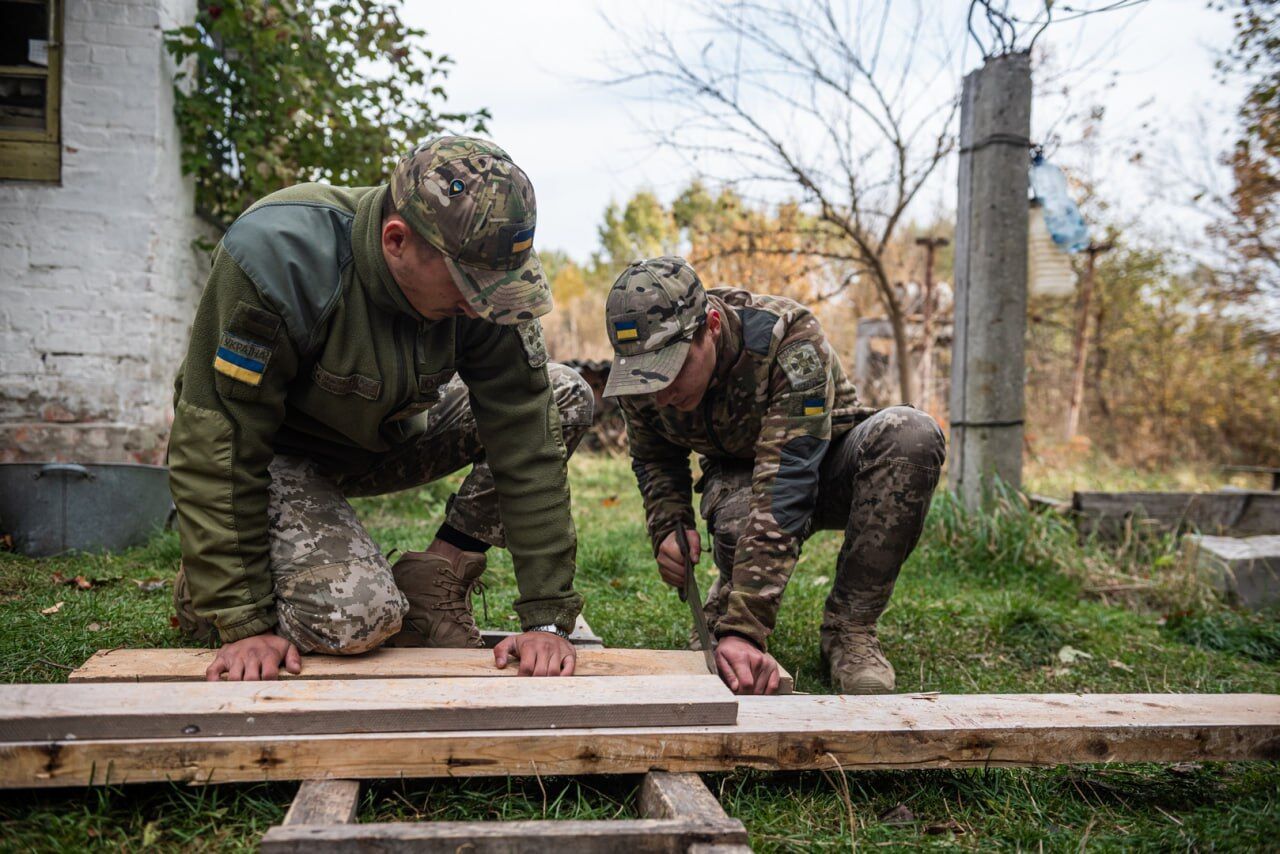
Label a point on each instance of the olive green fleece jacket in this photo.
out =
(304, 344)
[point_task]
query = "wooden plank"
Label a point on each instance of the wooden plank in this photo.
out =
(182, 665)
(186, 665)
(1239, 513)
(661, 836)
(793, 733)
(667, 795)
(324, 802)
(166, 710)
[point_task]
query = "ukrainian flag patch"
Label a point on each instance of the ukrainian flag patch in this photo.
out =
(626, 330)
(241, 359)
(521, 240)
(815, 405)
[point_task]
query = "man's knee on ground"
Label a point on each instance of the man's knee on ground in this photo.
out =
(340, 609)
(910, 435)
(573, 395)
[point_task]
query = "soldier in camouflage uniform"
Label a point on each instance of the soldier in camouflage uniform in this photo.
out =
(751, 384)
(362, 341)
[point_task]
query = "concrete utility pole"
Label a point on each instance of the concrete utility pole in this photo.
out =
(1080, 343)
(931, 245)
(988, 365)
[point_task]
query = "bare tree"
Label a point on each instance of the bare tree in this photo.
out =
(826, 101)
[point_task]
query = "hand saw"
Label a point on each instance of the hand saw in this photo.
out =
(689, 593)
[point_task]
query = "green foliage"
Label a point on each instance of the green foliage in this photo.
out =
(277, 92)
(1176, 370)
(1255, 636)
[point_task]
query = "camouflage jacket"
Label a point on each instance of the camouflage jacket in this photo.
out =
(304, 344)
(777, 398)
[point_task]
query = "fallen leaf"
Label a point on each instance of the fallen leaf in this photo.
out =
(1120, 665)
(901, 814)
(615, 582)
(1070, 655)
(94, 627)
(611, 501)
(52, 609)
(82, 582)
(950, 826)
(712, 570)
(173, 622)
(821, 580)
(1185, 768)
(150, 585)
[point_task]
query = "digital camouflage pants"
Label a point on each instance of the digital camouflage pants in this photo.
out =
(333, 587)
(875, 484)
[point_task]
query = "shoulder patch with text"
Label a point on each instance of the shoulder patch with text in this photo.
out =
(802, 365)
(241, 359)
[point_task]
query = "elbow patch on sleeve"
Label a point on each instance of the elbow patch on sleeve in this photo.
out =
(795, 489)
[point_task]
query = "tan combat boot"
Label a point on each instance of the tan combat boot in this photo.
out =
(439, 593)
(853, 653)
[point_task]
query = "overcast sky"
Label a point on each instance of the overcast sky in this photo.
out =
(584, 144)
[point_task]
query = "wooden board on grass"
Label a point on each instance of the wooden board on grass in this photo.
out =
(775, 733)
(298, 707)
(184, 665)
(187, 665)
(1237, 513)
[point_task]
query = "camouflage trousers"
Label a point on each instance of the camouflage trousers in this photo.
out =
(334, 590)
(875, 484)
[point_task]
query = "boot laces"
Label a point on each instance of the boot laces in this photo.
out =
(452, 582)
(859, 645)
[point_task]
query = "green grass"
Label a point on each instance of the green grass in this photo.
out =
(984, 605)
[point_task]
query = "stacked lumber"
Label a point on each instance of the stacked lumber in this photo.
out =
(778, 733)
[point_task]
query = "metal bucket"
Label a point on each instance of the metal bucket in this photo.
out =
(51, 508)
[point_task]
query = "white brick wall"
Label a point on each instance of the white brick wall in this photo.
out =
(98, 277)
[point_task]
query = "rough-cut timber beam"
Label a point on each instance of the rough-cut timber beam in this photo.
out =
(325, 802)
(634, 836)
(784, 733)
(187, 665)
(179, 710)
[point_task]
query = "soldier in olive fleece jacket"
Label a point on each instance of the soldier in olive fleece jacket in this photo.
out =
(327, 334)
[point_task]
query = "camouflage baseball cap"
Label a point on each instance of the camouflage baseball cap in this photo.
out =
(652, 312)
(465, 197)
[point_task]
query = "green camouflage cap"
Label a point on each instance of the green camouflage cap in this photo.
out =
(652, 312)
(465, 197)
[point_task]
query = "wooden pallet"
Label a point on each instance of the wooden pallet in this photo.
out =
(679, 813)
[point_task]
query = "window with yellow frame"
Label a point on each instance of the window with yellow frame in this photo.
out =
(30, 89)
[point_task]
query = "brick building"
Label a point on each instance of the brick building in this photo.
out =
(98, 274)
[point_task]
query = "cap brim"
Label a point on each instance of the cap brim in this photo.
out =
(504, 296)
(648, 372)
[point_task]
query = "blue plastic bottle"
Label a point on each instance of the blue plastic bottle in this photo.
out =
(1061, 216)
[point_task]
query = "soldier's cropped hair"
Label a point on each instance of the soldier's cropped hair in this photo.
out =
(389, 209)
